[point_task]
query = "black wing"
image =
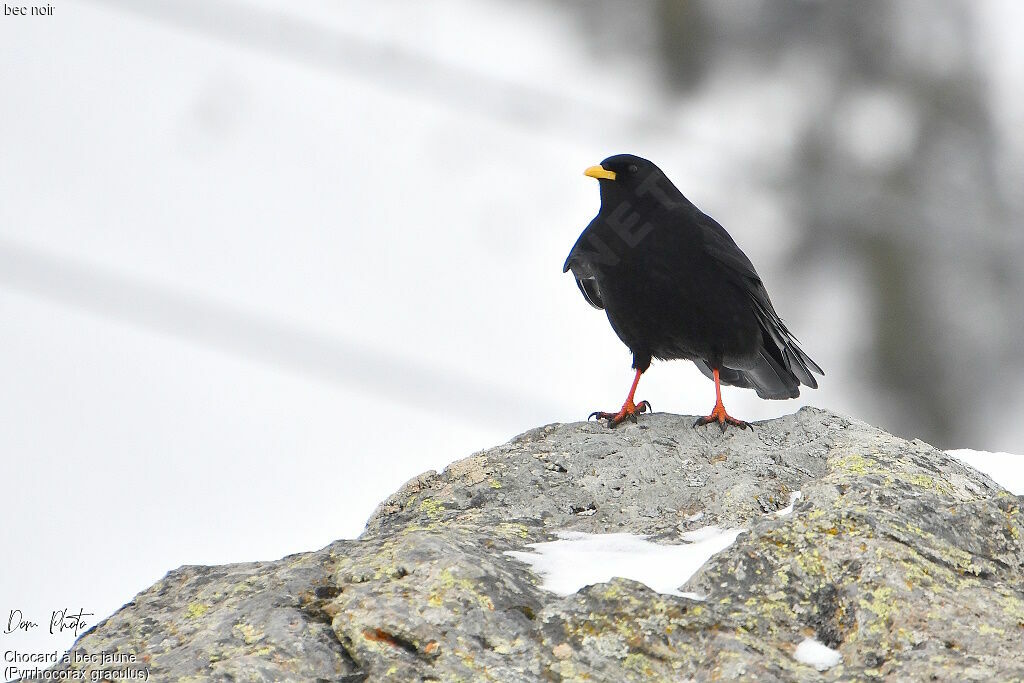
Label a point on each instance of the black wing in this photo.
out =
(782, 365)
(719, 245)
(591, 292)
(584, 272)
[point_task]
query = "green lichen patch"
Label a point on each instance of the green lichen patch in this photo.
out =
(196, 609)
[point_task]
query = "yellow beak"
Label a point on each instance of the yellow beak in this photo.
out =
(600, 172)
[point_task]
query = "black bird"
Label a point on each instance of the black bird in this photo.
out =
(675, 285)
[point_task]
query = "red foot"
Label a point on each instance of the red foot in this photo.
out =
(629, 411)
(722, 418)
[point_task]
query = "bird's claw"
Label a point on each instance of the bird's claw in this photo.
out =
(722, 418)
(629, 412)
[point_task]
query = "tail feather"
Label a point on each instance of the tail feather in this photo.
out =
(781, 366)
(781, 344)
(769, 379)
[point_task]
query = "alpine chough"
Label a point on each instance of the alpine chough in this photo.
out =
(675, 285)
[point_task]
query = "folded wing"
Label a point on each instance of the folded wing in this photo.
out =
(781, 366)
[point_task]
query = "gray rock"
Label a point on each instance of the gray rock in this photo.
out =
(897, 555)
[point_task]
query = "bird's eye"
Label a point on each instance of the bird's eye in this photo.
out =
(632, 168)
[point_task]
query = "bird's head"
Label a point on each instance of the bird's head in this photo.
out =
(629, 177)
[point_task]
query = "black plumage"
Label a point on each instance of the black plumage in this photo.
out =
(675, 285)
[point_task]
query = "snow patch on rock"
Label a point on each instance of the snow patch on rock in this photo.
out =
(579, 559)
(815, 653)
(1006, 468)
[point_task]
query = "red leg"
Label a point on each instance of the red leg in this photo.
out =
(629, 409)
(718, 414)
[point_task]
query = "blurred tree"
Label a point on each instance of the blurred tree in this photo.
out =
(898, 171)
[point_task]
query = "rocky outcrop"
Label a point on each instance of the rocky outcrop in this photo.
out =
(902, 559)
